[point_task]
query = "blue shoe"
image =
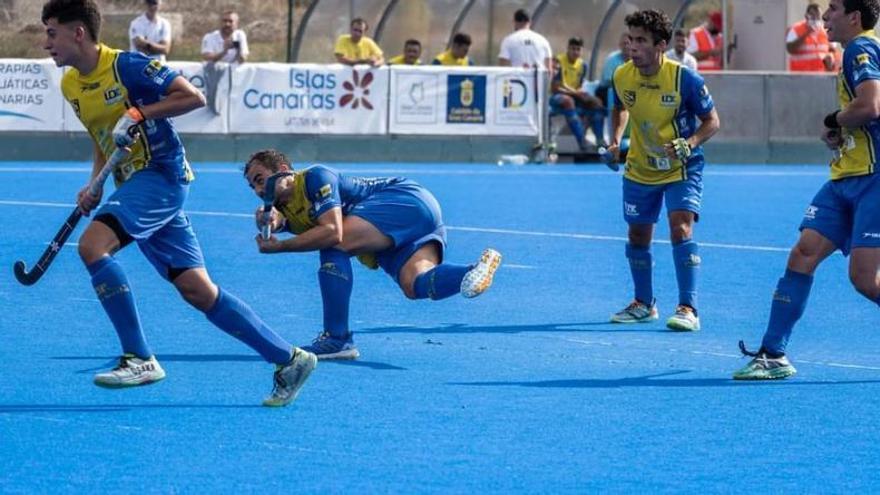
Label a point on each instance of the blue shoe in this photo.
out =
(326, 346)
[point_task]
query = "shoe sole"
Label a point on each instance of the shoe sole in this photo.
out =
(768, 376)
(675, 326)
(309, 364)
(118, 385)
(490, 258)
(348, 354)
(641, 320)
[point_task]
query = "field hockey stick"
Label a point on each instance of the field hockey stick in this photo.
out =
(269, 202)
(31, 277)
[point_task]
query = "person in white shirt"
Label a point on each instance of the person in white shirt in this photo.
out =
(149, 33)
(524, 47)
(679, 52)
(227, 44)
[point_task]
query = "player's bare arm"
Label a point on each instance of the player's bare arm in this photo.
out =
(864, 108)
(709, 125)
(181, 97)
(619, 119)
(326, 234)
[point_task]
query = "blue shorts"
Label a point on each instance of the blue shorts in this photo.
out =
(408, 214)
(642, 202)
(149, 206)
(845, 211)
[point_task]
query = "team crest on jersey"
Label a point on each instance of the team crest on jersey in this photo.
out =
(325, 190)
(668, 100)
(90, 87)
(113, 95)
(152, 68)
(629, 97)
(862, 59)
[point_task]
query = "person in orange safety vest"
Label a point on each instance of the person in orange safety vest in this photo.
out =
(807, 44)
(706, 43)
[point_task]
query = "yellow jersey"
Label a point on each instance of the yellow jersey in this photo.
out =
(570, 74)
(365, 48)
(401, 60)
(661, 107)
(446, 58)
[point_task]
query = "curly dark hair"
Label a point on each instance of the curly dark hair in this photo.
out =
(652, 21)
(869, 10)
(65, 11)
(269, 158)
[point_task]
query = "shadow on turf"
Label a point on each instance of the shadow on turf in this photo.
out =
(210, 358)
(49, 408)
(600, 326)
(653, 381)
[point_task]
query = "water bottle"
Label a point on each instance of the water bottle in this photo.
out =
(608, 159)
(513, 160)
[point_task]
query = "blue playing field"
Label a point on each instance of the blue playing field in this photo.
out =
(525, 389)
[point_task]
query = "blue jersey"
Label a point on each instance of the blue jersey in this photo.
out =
(858, 154)
(319, 189)
(119, 81)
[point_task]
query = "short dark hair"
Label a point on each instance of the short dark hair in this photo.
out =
(269, 158)
(652, 21)
(521, 16)
(358, 20)
(869, 10)
(412, 41)
(461, 39)
(679, 32)
(813, 6)
(66, 11)
(576, 41)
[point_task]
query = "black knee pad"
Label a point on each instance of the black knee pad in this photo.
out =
(110, 221)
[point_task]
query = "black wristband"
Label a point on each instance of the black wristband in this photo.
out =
(831, 120)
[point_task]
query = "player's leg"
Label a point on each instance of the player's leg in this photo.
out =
(641, 209)
(565, 105)
(864, 260)
(683, 202)
(825, 227)
(864, 265)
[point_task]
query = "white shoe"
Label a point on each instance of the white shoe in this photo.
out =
(131, 372)
(636, 312)
(684, 320)
(290, 377)
(479, 278)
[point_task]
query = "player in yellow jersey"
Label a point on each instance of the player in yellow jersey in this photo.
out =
(570, 100)
(412, 51)
(844, 213)
(356, 48)
(457, 54)
(113, 92)
(671, 115)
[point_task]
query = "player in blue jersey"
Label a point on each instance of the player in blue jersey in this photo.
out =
(672, 115)
(844, 213)
(392, 223)
(113, 92)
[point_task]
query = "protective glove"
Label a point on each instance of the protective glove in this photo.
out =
(681, 148)
(125, 130)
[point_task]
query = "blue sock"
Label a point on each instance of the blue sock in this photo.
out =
(335, 278)
(789, 302)
(597, 123)
(686, 257)
(440, 282)
(111, 286)
(577, 128)
(236, 318)
(641, 265)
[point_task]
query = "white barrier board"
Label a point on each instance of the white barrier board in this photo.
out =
(30, 95)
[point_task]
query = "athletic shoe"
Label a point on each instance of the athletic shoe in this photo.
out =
(763, 366)
(289, 378)
(131, 371)
(326, 346)
(479, 278)
(636, 312)
(684, 319)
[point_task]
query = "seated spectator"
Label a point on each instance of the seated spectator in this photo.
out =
(457, 54)
(355, 48)
(227, 44)
(150, 33)
(807, 44)
(412, 51)
(679, 53)
(570, 100)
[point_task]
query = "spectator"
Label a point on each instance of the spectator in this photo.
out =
(807, 44)
(227, 44)
(679, 53)
(706, 42)
(355, 48)
(412, 51)
(150, 33)
(614, 60)
(457, 54)
(570, 100)
(524, 47)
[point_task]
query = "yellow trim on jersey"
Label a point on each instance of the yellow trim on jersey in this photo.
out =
(296, 210)
(653, 103)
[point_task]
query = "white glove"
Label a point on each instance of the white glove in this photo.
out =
(125, 131)
(681, 148)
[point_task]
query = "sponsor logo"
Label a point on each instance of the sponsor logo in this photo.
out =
(810, 214)
(515, 93)
(357, 91)
(325, 190)
(89, 87)
(419, 102)
(629, 97)
(308, 90)
(466, 99)
(113, 95)
(862, 59)
(668, 100)
(870, 235)
(630, 209)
